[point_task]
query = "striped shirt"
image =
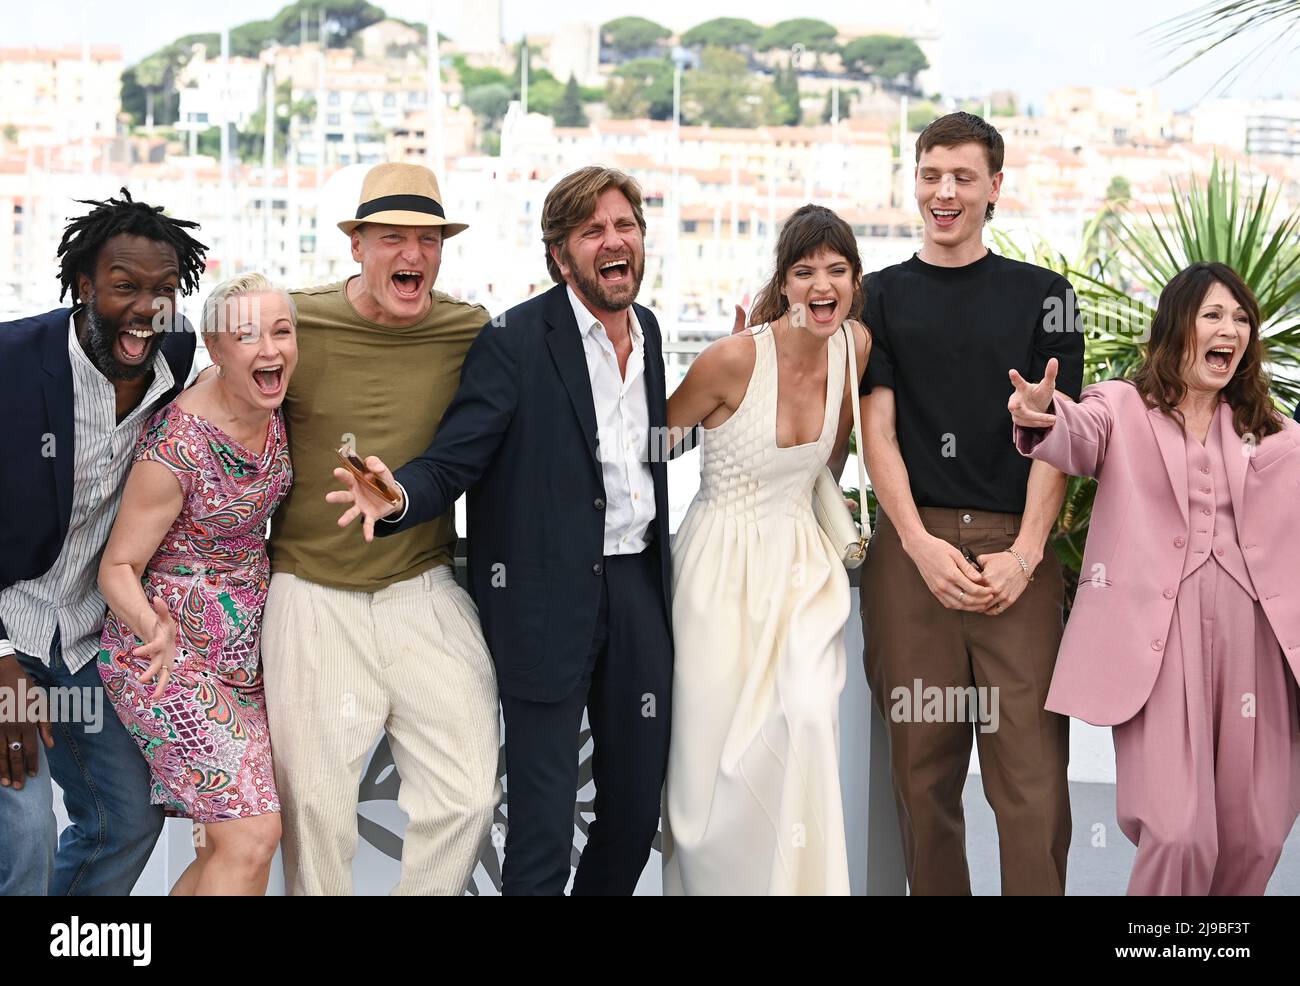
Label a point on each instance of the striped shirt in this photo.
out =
(67, 596)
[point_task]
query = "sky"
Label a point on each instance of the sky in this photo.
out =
(1029, 46)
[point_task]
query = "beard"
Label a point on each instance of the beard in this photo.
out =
(101, 335)
(611, 298)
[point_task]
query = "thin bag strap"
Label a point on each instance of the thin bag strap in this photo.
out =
(857, 427)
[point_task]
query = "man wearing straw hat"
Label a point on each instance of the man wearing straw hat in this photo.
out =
(361, 640)
(553, 434)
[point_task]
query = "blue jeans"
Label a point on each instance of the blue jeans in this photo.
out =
(105, 783)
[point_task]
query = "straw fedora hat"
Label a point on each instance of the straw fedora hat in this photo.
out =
(401, 195)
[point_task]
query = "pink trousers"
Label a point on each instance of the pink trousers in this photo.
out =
(1208, 773)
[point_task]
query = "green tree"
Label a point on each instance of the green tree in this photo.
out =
(631, 35)
(723, 32)
(152, 82)
(208, 142)
(885, 57)
(641, 88)
(1127, 259)
(10, 133)
(785, 84)
(489, 102)
(1118, 190)
(154, 76)
(813, 34)
(535, 74)
(248, 40)
(921, 116)
(570, 112)
(721, 92)
(471, 77)
(252, 139)
(150, 85)
(545, 97)
(846, 101)
(343, 19)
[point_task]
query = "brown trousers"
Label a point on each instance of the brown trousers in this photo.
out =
(917, 650)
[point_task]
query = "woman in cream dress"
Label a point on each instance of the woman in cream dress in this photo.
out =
(760, 596)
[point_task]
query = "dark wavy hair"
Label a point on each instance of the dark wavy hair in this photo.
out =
(808, 231)
(1159, 378)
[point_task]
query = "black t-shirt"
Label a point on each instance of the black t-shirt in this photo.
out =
(944, 338)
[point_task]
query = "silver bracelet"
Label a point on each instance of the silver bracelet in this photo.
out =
(1023, 567)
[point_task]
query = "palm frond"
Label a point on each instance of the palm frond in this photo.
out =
(1195, 34)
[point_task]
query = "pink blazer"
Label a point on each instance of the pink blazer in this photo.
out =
(1138, 541)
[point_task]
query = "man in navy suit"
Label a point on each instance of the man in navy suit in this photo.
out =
(79, 384)
(551, 435)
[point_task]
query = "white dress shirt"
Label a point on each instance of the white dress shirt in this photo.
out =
(622, 430)
(622, 433)
(67, 596)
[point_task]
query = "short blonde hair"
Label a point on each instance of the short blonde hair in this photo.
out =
(217, 305)
(573, 200)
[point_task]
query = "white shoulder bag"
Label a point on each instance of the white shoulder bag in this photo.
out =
(829, 508)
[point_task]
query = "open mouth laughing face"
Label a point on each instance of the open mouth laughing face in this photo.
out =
(129, 304)
(953, 191)
(1221, 337)
(604, 257)
(122, 352)
(819, 289)
(399, 265)
(258, 350)
(613, 283)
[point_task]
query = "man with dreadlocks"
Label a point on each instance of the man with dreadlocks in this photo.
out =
(78, 384)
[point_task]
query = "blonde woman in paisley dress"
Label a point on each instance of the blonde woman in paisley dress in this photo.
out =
(760, 596)
(185, 574)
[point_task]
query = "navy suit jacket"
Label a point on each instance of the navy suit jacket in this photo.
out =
(36, 441)
(520, 438)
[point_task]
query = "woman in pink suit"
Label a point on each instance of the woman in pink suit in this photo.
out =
(1185, 632)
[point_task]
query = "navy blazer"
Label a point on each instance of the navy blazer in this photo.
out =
(36, 441)
(520, 438)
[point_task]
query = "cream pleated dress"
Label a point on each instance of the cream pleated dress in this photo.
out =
(760, 599)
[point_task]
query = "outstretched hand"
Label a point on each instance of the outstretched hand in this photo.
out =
(362, 501)
(1029, 404)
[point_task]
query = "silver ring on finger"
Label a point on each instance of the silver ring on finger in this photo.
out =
(961, 595)
(16, 746)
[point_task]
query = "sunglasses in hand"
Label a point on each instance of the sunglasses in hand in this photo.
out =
(364, 476)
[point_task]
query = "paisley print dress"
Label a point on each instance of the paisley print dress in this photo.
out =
(206, 738)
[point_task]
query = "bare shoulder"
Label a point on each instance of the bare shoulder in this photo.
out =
(152, 486)
(729, 358)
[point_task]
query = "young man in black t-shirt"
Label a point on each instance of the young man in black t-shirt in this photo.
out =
(962, 613)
